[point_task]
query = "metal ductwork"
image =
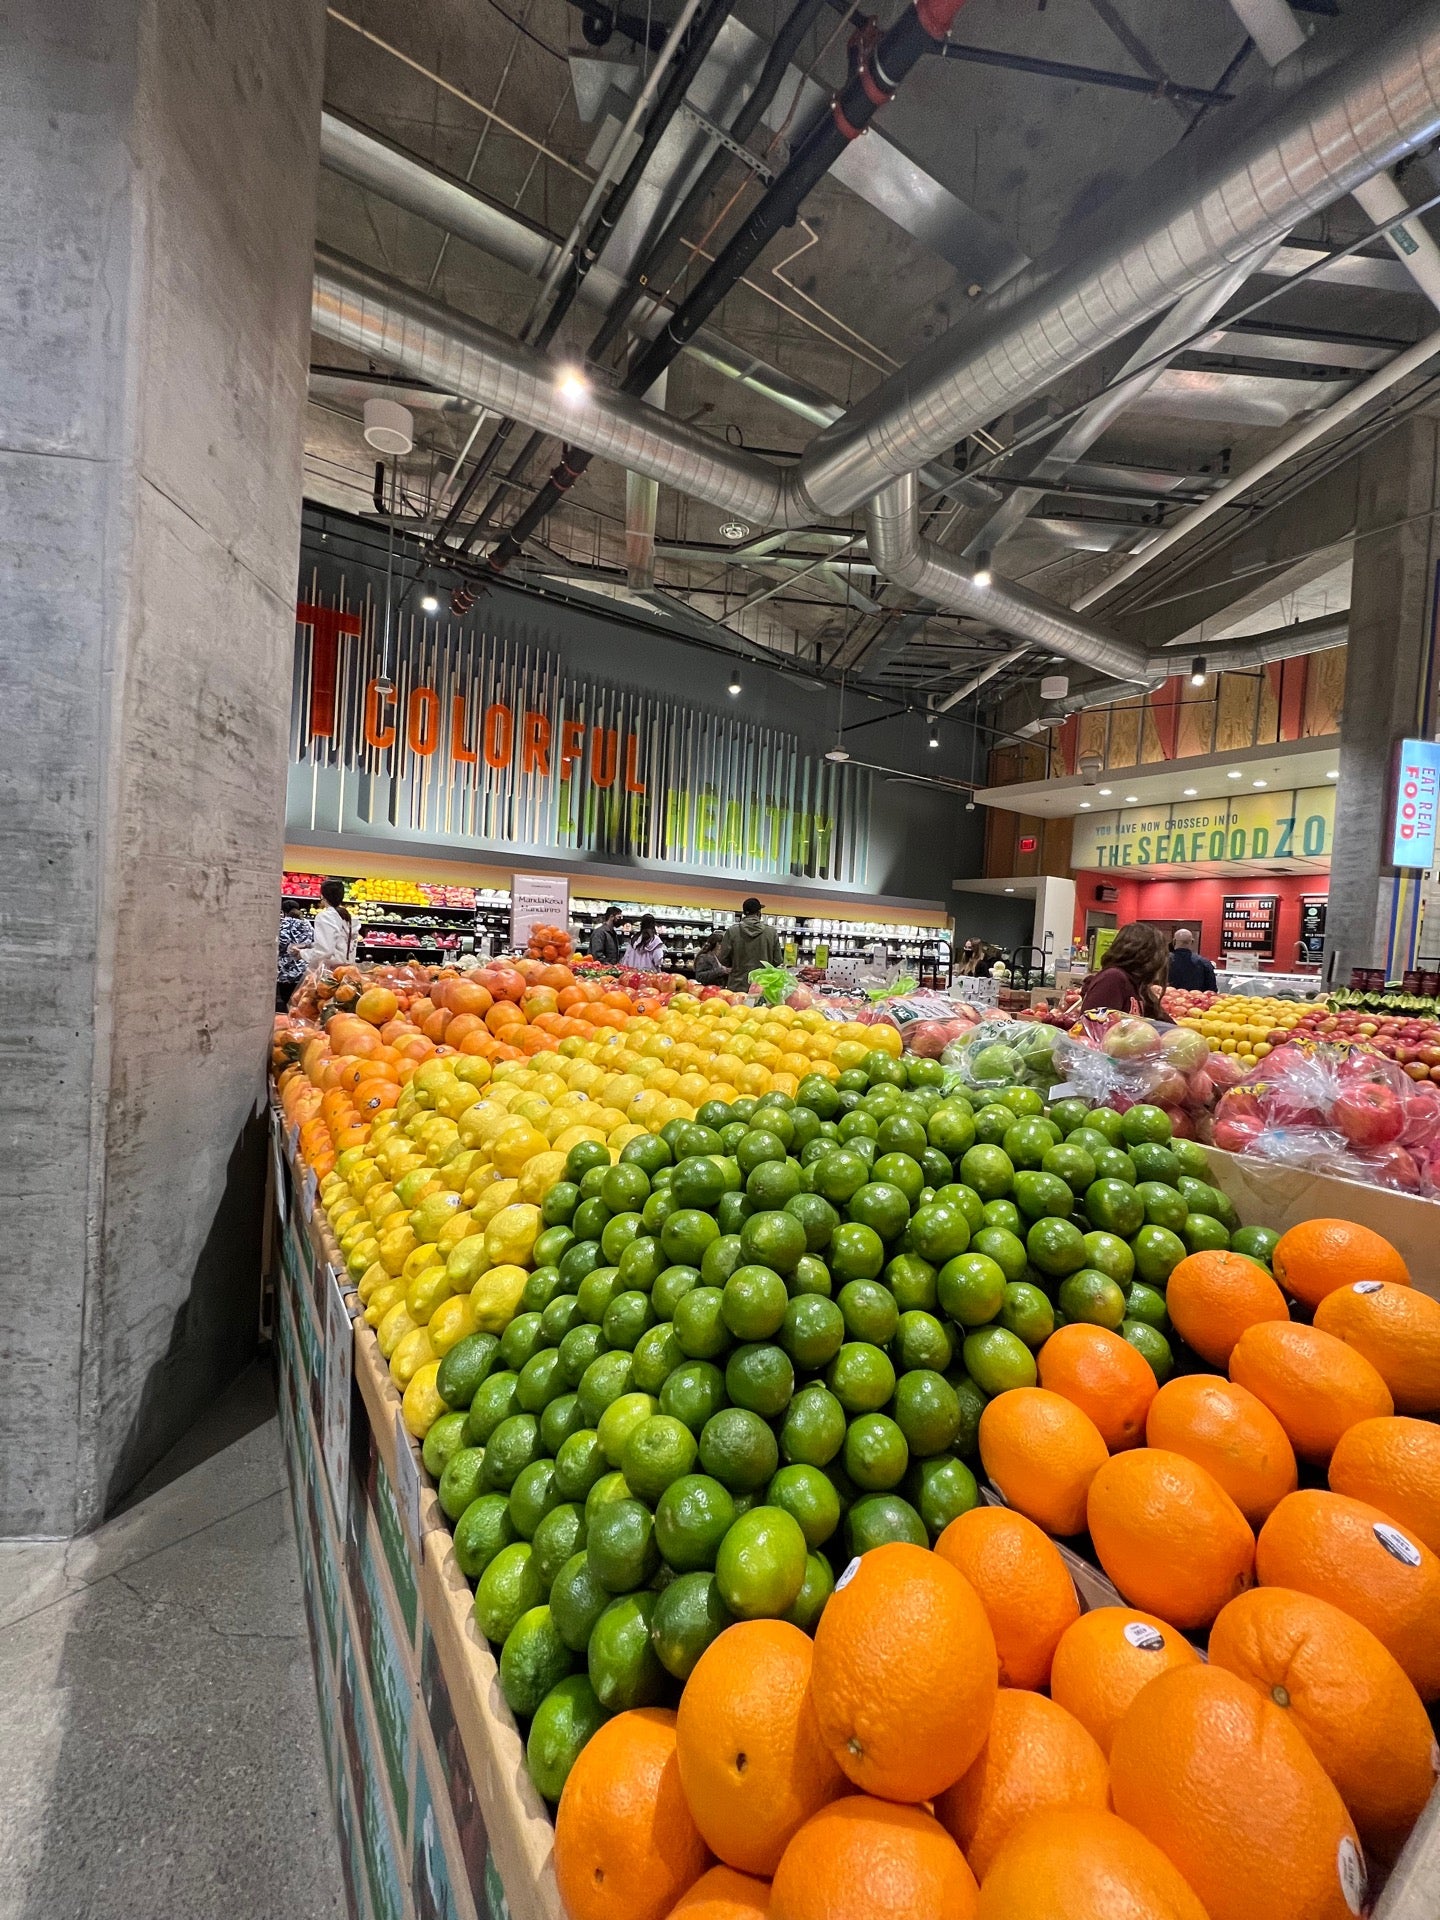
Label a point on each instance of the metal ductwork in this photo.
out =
(1221, 656)
(1213, 202)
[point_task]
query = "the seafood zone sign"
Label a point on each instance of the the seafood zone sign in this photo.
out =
(491, 743)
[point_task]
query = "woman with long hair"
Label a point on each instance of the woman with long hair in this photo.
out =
(334, 940)
(1132, 978)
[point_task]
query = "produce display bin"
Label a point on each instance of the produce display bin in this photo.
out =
(434, 1810)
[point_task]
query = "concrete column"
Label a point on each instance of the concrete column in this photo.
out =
(155, 242)
(1390, 694)
(1055, 918)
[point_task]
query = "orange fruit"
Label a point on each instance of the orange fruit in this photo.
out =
(723, 1894)
(1397, 1329)
(1360, 1716)
(1103, 1661)
(1318, 1256)
(1230, 1433)
(1041, 1452)
(752, 1762)
(1224, 1784)
(626, 1846)
(1024, 1587)
(1356, 1557)
(1076, 1863)
(1313, 1383)
(1213, 1297)
(1169, 1536)
(905, 1673)
(864, 1859)
(1104, 1376)
(1037, 1756)
(1394, 1465)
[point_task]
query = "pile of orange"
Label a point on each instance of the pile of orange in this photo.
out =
(550, 943)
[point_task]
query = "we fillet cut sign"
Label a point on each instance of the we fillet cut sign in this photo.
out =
(486, 741)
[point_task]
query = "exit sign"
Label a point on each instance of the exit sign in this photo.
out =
(1028, 843)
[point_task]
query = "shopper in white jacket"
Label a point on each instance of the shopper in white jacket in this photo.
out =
(334, 929)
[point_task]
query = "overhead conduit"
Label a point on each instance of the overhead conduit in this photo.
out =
(1326, 138)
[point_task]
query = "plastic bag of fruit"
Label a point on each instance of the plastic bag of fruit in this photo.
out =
(1121, 1060)
(1336, 1109)
(773, 984)
(1002, 1053)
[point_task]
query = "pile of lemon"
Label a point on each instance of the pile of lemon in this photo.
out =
(438, 1213)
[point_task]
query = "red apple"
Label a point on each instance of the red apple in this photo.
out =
(1368, 1115)
(1236, 1135)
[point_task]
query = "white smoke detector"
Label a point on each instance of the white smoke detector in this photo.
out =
(389, 427)
(1054, 686)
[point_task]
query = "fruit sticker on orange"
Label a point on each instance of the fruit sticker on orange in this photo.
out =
(1143, 1637)
(1354, 1883)
(1396, 1545)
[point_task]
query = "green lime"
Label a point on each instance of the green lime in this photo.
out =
(1092, 1297)
(1109, 1254)
(584, 1155)
(1041, 1195)
(620, 1419)
(941, 1489)
(1145, 1304)
(810, 1498)
(816, 1216)
(882, 1069)
(720, 1259)
(686, 1233)
(911, 1280)
(577, 1601)
(1028, 1141)
(761, 1564)
(753, 1302)
(921, 1341)
(812, 1331)
(971, 1288)
(758, 1145)
(559, 1317)
(692, 1517)
(1145, 1123)
(595, 1292)
(774, 1239)
(559, 1536)
(508, 1587)
(533, 1660)
(1192, 1157)
(648, 1152)
(1203, 1233)
(900, 1170)
(951, 1128)
(814, 1595)
(975, 1210)
(579, 1463)
(989, 1170)
(997, 1360)
(927, 1411)
(532, 1496)
(902, 1133)
(578, 1347)
(1004, 1247)
(738, 1449)
(494, 1402)
(811, 1275)
(1153, 1161)
(520, 1340)
(1164, 1207)
(1114, 1164)
(880, 1518)
(1027, 1313)
(444, 1440)
(559, 1203)
(1108, 1123)
(542, 1379)
(688, 1615)
(513, 1445)
(814, 1429)
(465, 1368)
(868, 1310)
(876, 1455)
(607, 1489)
(620, 1541)
(760, 1377)
(698, 1182)
(700, 1324)
(773, 1183)
(816, 1092)
(1056, 1247)
(1152, 1345)
(861, 1377)
(675, 1282)
(619, 1231)
(856, 1252)
(882, 1207)
(624, 1668)
(657, 1210)
(694, 1138)
(659, 1450)
(640, 1264)
(481, 1531)
(1257, 1243)
(992, 1123)
(657, 1354)
(1114, 1207)
(972, 1405)
(839, 1175)
(541, 1288)
(1070, 1114)
(1071, 1164)
(938, 1232)
(1157, 1252)
(1199, 1196)
(590, 1221)
(1026, 1100)
(1002, 1216)
(694, 1391)
(564, 1721)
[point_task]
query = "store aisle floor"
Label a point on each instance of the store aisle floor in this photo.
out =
(160, 1750)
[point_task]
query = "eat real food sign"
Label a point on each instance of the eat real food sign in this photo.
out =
(489, 742)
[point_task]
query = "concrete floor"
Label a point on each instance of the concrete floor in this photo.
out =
(160, 1751)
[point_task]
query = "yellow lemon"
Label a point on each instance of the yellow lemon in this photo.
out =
(393, 1328)
(452, 1321)
(467, 1262)
(456, 1172)
(453, 1102)
(482, 1178)
(425, 1292)
(517, 1143)
(396, 1246)
(496, 1297)
(373, 1278)
(382, 1300)
(422, 1406)
(540, 1174)
(413, 1187)
(426, 1255)
(382, 1203)
(361, 1256)
(572, 1137)
(492, 1200)
(410, 1355)
(512, 1234)
(432, 1213)
(454, 1230)
(473, 1070)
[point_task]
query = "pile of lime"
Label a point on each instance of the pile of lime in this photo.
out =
(760, 1343)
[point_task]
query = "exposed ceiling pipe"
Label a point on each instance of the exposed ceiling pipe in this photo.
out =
(1215, 201)
(978, 680)
(1255, 650)
(1358, 398)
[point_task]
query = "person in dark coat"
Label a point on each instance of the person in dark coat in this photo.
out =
(1188, 969)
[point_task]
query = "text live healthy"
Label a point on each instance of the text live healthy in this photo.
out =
(1272, 826)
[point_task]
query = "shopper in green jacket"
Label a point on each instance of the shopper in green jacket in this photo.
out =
(750, 943)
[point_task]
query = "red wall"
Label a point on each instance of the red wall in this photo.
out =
(1199, 902)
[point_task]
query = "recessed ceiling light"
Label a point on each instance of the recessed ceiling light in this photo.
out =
(1259, 783)
(1131, 799)
(1105, 792)
(1084, 806)
(1234, 774)
(1334, 774)
(1190, 792)
(1009, 889)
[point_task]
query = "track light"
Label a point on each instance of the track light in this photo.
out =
(734, 681)
(429, 602)
(982, 575)
(1197, 671)
(934, 739)
(836, 753)
(572, 386)
(383, 682)
(969, 806)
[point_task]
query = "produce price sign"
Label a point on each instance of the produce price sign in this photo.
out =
(1417, 799)
(537, 900)
(1247, 924)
